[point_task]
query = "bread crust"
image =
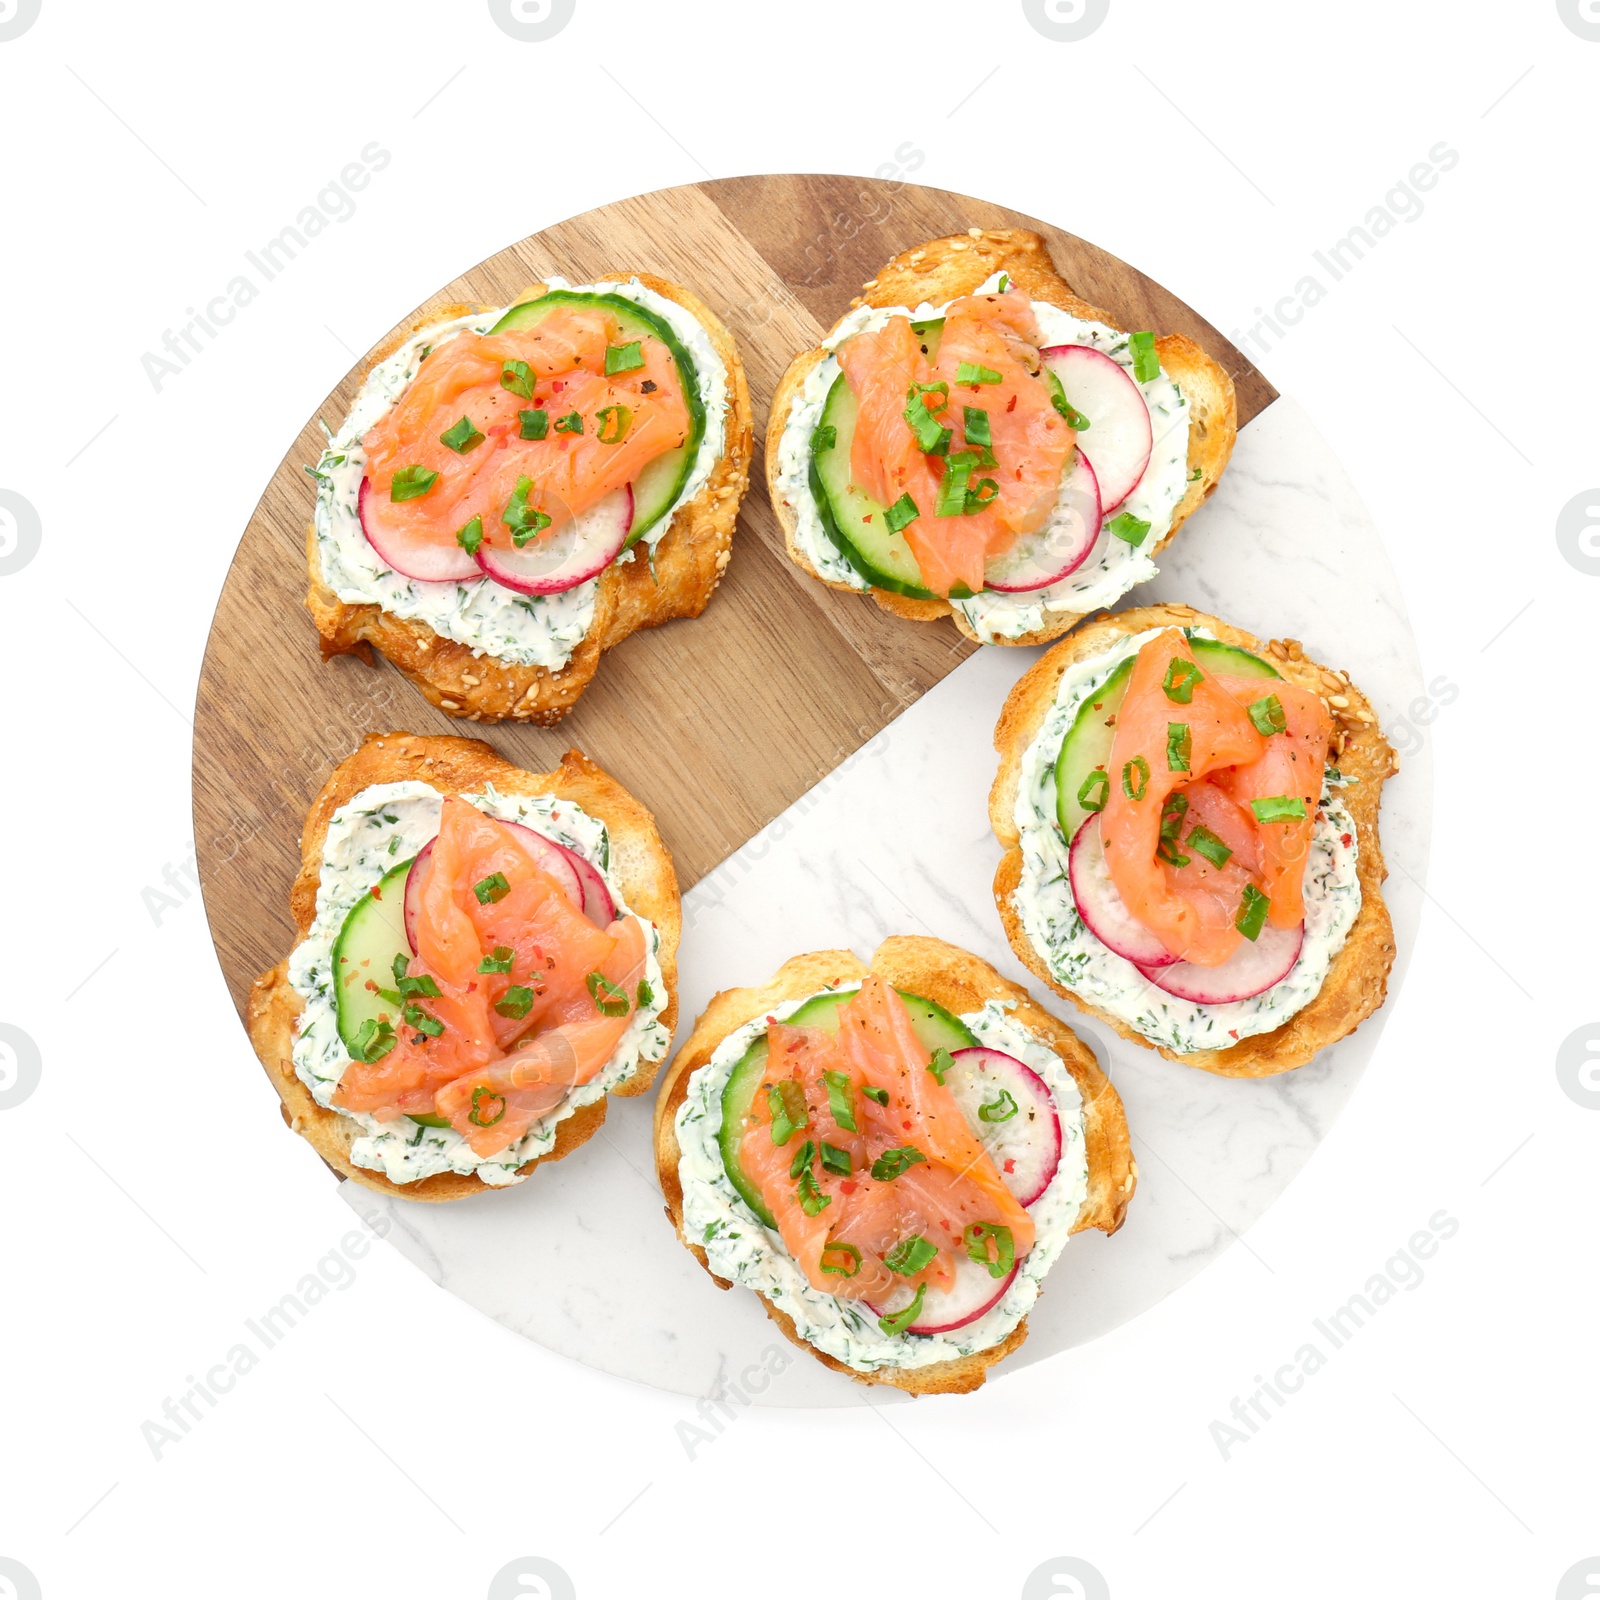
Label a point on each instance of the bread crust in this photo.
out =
(943, 269)
(960, 982)
(689, 563)
(456, 765)
(1356, 982)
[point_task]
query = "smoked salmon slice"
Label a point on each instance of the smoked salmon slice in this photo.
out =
(1240, 759)
(513, 998)
(592, 432)
(859, 1176)
(1013, 456)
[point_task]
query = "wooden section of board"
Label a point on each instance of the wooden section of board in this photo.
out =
(718, 724)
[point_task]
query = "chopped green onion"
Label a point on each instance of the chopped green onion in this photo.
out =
(410, 483)
(614, 422)
(521, 518)
(471, 536)
(971, 372)
(958, 467)
(892, 1163)
(1171, 854)
(1002, 1109)
(1145, 363)
(910, 1256)
(608, 996)
(850, 1254)
(787, 1103)
(423, 1021)
(811, 1198)
(823, 437)
(516, 1002)
(462, 437)
(901, 514)
(1004, 283)
(623, 358)
(1279, 808)
(977, 498)
(803, 1157)
(940, 389)
(491, 889)
(424, 986)
(833, 1158)
(647, 995)
(932, 439)
(1070, 414)
(1128, 528)
(1179, 746)
(1267, 715)
(902, 1320)
(1140, 766)
(1094, 791)
(401, 963)
(498, 960)
(515, 376)
(880, 1095)
(483, 1098)
(533, 424)
(1204, 841)
(1253, 907)
(940, 1064)
(1182, 676)
(1172, 814)
(975, 425)
(374, 1040)
(977, 1237)
(571, 423)
(839, 1106)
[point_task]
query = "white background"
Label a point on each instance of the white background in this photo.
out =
(397, 1443)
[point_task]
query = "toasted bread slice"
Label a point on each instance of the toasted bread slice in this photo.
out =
(960, 983)
(1355, 984)
(689, 563)
(452, 765)
(943, 269)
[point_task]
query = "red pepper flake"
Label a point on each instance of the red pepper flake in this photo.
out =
(906, 1125)
(1010, 1166)
(373, 891)
(1233, 1033)
(848, 1186)
(1011, 404)
(1344, 839)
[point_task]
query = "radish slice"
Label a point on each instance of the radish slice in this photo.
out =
(550, 857)
(598, 906)
(1118, 439)
(1252, 969)
(944, 1310)
(1102, 908)
(1037, 560)
(580, 548)
(411, 554)
(1025, 1143)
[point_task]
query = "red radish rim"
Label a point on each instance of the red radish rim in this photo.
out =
(587, 544)
(1086, 844)
(1129, 409)
(395, 549)
(1055, 564)
(1207, 986)
(1041, 1091)
(598, 905)
(961, 1322)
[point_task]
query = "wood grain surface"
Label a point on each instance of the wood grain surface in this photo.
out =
(717, 724)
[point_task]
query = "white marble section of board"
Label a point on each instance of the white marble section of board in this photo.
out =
(582, 1259)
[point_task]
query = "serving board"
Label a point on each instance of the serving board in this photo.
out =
(719, 723)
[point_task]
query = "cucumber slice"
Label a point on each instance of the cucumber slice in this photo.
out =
(1087, 746)
(854, 521)
(661, 482)
(935, 1028)
(373, 934)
